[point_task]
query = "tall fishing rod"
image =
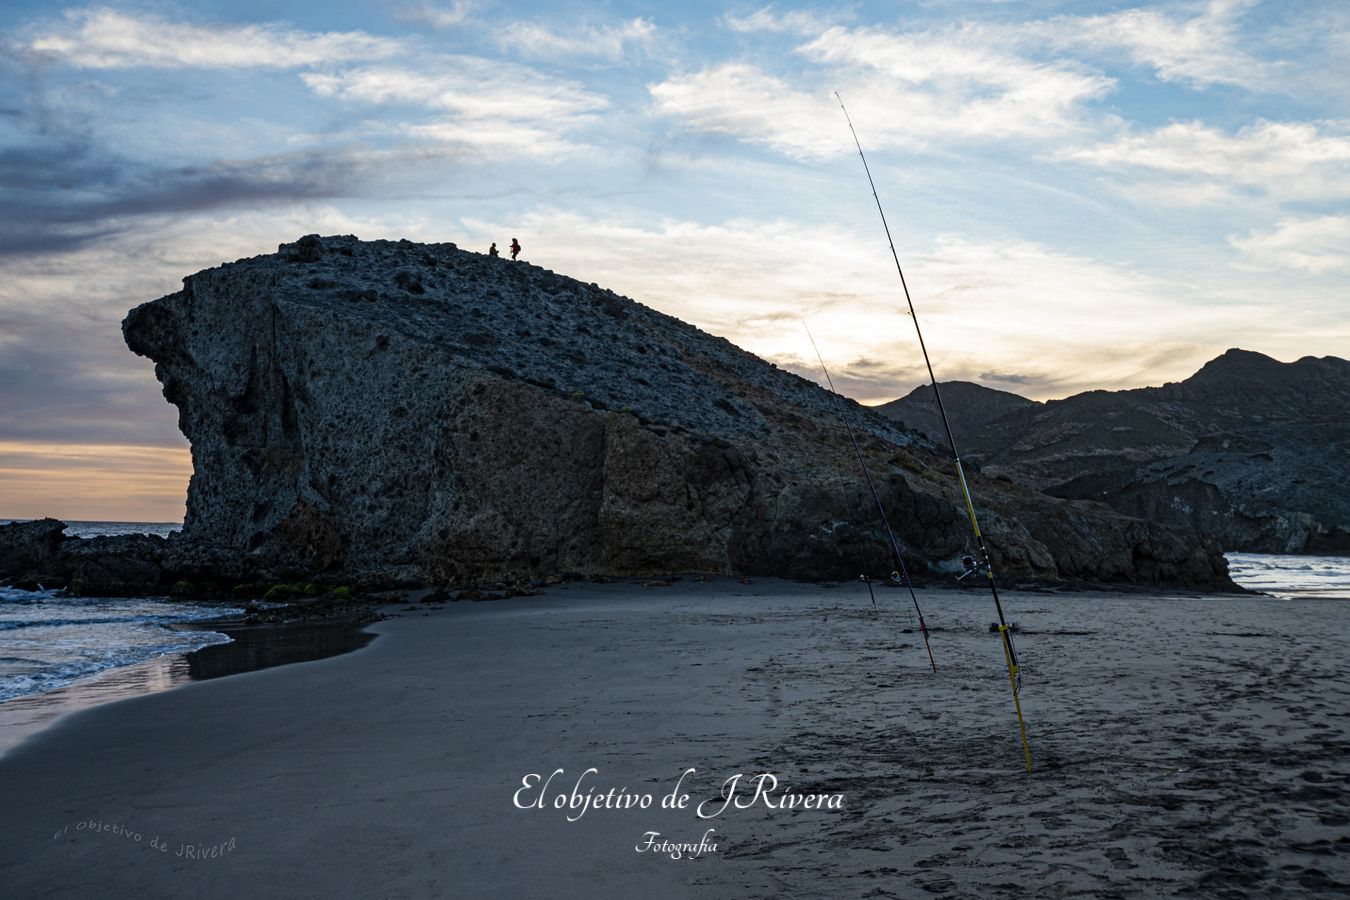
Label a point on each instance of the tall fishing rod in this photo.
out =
(972, 566)
(885, 523)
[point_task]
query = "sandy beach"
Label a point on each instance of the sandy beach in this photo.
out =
(1184, 745)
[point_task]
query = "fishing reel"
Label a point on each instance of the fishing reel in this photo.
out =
(897, 580)
(971, 567)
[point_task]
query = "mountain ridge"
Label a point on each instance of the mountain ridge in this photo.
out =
(1244, 450)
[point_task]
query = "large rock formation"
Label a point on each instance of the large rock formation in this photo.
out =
(413, 412)
(1249, 450)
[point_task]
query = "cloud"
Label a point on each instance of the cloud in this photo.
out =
(1316, 245)
(792, 21)
(745, 103)
(105, 38)
(432, 15)
(965, 73)
(1010, 377)
(1290, 160)
(1199, 50)
(484, 108)
(64, 184)
(64, 194)
(608, 42)
(914, 90)
(465, 85)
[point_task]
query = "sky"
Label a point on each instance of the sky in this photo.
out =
(1083, 195)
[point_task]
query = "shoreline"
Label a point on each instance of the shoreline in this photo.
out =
(302, 640)
(1182, 743)
(250, 648)
(25, 716)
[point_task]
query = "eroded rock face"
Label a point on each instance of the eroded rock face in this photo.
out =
(415, 412)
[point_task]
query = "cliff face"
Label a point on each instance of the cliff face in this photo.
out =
(411, 412)
(1249, 450)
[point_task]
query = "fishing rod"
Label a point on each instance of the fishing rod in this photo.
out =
(885, 523)
(972, 565)
(867, 580)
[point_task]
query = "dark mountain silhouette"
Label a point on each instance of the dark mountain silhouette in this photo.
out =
(968, 404)
(1249, 449)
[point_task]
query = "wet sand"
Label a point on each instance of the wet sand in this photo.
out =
(1184, 745)
(251, 647)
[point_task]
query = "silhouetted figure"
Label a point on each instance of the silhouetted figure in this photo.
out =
(492, 251)
(515, 248)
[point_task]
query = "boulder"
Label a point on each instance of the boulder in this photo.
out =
(29, 551)
(113, 566)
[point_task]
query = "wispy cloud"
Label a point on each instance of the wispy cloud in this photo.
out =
(494, 108)
(1289, 160)
(1320, 244)
(751, 105)
(790, 21)
(607, 42)
(965, 74)
(105, 38)
(434, 15)
(467, 85)
(103, 191)
(1197, 50)
(914, 91)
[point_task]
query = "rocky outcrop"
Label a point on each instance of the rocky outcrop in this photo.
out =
(29, 551)
(38, 554)
(1248, 450)
(416, 413)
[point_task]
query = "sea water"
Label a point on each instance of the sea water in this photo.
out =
(48, 640)
(1292, 577)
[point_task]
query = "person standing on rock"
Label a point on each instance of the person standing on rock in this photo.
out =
(492, 251)
(515, 248)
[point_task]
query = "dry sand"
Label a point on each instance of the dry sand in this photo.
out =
(1190, 746)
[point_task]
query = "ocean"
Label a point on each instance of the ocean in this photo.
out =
(1292, 577)
(48, 641)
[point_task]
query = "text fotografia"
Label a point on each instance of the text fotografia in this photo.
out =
(676, 850)
(739, 792)
(182, 851)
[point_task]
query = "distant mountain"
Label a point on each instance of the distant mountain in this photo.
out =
(1249, 449)
(967, 404)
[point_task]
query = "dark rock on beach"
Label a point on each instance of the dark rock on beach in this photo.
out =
(399, 413)
(39, 554)
(113, 566)
(29, 551)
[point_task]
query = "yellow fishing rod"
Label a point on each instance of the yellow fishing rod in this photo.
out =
(973, 565)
